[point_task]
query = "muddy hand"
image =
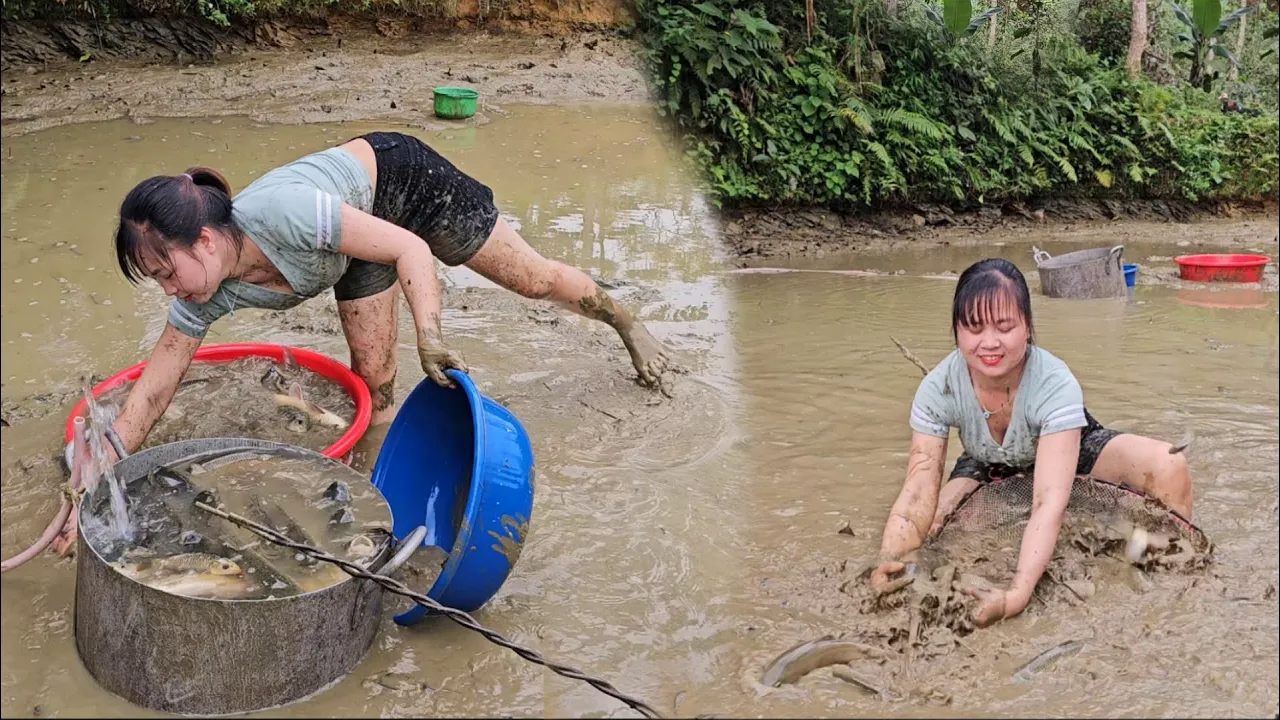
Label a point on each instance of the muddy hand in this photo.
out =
(436, 358)
(882, 581)
(993, 605)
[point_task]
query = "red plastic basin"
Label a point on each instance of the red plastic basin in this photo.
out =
(314, 361)
(1222, 268)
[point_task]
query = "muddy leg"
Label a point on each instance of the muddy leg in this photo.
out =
(370, 326)
(507, 260)
(950, 496)
(1145, 464)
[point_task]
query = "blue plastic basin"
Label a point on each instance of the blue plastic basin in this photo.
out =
(461, 464)
(1130, 274)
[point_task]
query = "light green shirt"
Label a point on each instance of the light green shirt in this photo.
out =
(1049, 400)
(294, 214)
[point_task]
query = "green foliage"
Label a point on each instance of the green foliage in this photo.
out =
(957, 17)
(786, 118)
(1103, 28)
(1205, 28)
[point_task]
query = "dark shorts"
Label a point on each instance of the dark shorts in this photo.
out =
(1093, 437)
(420, 191)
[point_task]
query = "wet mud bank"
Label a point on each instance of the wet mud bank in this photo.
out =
(755, 236)
(159, 32)
(309, 73)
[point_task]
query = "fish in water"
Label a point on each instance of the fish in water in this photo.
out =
(806, 657)
(283, 381)
(1137, 545)
(1046, 658)
(338, 492)
(277, 377)
(297, 420)
(303, 413)
(275, 517)
(198, 575)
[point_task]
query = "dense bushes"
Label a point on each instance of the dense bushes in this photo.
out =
(861, 110)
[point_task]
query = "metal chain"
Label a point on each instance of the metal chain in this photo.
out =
(458, 616)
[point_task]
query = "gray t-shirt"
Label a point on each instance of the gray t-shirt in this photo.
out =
(1049, 400)
(294, 214)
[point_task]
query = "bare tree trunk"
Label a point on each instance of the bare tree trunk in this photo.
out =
(991, 31)
(1137, 39)
(1240, 38)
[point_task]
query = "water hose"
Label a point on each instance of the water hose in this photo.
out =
(59, 521)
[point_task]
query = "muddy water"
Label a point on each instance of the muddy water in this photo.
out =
(678, 545)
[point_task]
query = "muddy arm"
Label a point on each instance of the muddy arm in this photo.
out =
(912, 512)
(375, 240)
(1056, 459)
(151, 395)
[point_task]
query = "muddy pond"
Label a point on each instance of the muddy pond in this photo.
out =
(679, 544)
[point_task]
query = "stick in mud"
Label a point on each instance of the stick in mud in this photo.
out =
(910, 356)
(847, 675)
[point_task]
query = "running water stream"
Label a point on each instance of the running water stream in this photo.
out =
(101, 467)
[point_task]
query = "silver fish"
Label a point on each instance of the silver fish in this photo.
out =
(1046, 658)
(806, 657)
(198, 575)
(296, 401)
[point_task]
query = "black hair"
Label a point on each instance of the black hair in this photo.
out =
(168, 211)
(982, 287)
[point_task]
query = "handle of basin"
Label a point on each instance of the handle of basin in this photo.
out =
(1116, 252)
(405, 551)
(1041, 257)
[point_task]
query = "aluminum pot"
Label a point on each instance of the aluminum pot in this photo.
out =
(1082, 274)
(219, 657)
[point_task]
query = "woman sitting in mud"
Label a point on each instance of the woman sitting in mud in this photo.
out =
(358, 218)
(1018, 409)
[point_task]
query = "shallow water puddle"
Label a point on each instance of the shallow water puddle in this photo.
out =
(677, 546)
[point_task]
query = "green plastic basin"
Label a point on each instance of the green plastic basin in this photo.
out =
(455, 103)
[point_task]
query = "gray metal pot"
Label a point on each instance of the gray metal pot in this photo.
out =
(219, 657)
(1082, 274)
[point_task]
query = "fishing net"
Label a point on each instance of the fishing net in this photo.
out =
(1102, 519)
(977, 545)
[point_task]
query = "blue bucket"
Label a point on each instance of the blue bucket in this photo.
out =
(1130, 274)
(461, 464)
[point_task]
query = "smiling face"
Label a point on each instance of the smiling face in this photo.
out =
(993, 334)
(191, 274)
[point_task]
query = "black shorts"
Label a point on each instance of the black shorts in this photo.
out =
(420, 191)
(1093, 437)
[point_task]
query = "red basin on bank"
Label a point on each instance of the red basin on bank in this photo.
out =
(1222, 268)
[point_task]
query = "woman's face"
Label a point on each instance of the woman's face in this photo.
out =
(996, 345)
(192, 274)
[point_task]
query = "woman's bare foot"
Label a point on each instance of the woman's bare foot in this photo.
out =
(647, 354)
